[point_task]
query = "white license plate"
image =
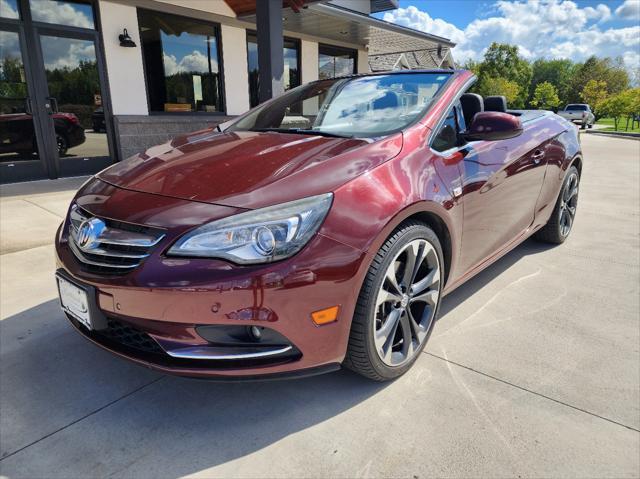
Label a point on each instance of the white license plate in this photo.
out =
(74, 301)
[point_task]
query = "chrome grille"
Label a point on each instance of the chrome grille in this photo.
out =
(107, 246)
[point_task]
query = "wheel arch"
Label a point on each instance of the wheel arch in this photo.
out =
(577, 162)
(439, 227)
(436, 217)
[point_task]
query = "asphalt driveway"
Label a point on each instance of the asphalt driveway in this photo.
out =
(533, 370)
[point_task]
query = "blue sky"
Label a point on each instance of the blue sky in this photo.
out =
(541, 28)
(462, 12)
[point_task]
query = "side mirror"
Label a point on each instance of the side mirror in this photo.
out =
(493, 125)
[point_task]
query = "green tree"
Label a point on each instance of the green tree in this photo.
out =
(614, 107)
(500, 86)
(630, 100)
(473, 66)
(612, 72)
(502, 62)
(12, 83)
(594, 93)
(557, 72)
(545, 96)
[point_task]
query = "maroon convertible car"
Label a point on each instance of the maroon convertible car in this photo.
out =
(320, 229)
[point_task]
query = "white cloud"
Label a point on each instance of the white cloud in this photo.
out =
(193, 62)
(7, 10)
(59, 13)
(540, 28)
(418, 20)
(170, 64)
(601, 13)
(61, 52)
(629, 10)
(10, 44)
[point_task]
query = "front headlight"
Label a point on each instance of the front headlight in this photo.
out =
(259, 236)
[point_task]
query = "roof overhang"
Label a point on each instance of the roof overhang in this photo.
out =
(339, 12)
(248, 7)
(342, 25)
(383, 5)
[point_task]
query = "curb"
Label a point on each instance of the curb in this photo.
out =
(615, 134)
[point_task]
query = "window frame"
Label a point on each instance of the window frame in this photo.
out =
(456, 108)
(231, 125)
(298, 46)
(338, 49)
(222, 87)
(436, 130)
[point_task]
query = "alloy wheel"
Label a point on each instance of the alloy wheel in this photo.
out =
(406, 302)
(568, 204)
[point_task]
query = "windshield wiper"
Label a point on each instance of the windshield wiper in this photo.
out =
(302, 131)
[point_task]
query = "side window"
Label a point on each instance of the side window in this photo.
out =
(447, 136)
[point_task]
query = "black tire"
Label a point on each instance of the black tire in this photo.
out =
(362, 356)
(554, 231)
(62, 144)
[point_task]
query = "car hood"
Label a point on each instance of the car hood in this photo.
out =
(249, 169)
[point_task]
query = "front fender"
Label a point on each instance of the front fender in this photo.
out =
(368, 209)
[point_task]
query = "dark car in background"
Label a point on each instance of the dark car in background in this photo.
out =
(18, 136)
(262, 249)
(97, 120)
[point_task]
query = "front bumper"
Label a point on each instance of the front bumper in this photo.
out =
(147, 353)
(158, 309)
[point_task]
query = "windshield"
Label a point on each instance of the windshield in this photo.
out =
(577, 107)
(357, 106)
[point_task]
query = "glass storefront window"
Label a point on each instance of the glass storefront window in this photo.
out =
(71, 68)
(181, 63)
(335, 62)
(9, 9)
(62, 12)
(17, 132)
(291, 77)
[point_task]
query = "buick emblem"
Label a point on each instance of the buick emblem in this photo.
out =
(89, 232)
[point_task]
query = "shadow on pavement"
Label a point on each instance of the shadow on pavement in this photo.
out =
(458, 295)
(51, 378)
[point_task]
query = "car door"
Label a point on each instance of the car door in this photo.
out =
(16, 133)
(501, 182)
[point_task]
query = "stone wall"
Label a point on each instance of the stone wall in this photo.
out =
(136, 133)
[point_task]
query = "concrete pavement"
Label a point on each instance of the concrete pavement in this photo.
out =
(533, 370)
(95, 144)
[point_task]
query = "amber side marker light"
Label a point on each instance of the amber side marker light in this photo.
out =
(325, 316)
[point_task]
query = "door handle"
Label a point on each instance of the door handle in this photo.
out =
(538, 155)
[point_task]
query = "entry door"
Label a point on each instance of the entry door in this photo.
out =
(54, 116)
(21, 142)
(74, 110)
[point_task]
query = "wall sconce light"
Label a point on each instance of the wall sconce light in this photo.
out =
(125, 39)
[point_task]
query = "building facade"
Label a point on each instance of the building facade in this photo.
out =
(84, 83)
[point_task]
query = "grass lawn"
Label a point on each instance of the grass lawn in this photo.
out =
(621, 125)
